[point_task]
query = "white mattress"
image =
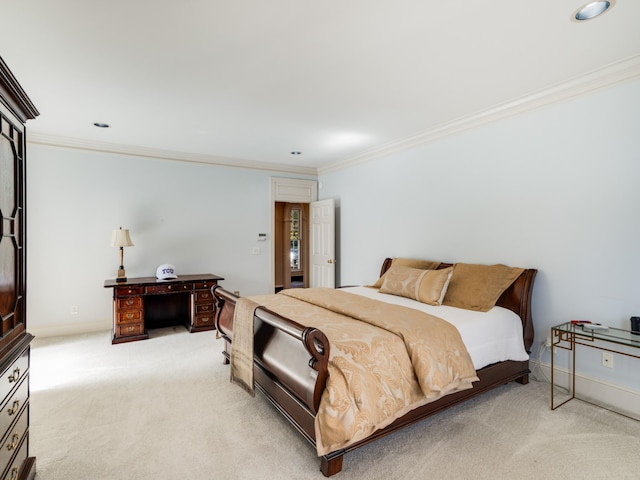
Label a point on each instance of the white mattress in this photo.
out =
(490, 337)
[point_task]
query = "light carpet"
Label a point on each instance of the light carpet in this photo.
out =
(164, 409)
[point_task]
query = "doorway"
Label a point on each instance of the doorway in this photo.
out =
(291, 225)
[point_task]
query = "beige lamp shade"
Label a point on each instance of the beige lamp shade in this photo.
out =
(121, 238)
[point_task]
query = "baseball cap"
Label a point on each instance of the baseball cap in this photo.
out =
(166, 270)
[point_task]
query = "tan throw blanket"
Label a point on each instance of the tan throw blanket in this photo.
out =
(241, 356)
(385, 360)
(438, 355)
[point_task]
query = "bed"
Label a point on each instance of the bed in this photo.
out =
(291, 361)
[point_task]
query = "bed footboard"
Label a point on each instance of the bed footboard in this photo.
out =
(292, 356)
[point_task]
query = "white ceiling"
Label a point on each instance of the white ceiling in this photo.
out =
(250, 81)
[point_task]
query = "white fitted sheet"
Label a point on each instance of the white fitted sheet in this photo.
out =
(490, 337)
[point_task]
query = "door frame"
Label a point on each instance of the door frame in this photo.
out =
(289, 190)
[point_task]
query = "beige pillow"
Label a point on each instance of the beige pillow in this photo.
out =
(478, 287)
(426, 286)
(409, 262)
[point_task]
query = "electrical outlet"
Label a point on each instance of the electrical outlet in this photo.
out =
(607, 359)
(547, 342)
(74, 309)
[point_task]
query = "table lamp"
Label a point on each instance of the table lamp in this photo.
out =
(120, 238)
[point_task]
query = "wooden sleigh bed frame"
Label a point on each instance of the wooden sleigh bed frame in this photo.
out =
(290, 364)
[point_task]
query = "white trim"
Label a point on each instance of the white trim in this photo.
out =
(70, 328)
(130, 150)
(615, 397)
(292, 190)
(618, 72)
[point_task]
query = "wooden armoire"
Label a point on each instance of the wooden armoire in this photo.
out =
(15, 109)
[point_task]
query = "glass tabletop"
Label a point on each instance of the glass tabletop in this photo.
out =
(608, 334)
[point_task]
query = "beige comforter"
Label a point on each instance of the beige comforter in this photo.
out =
(385, 360)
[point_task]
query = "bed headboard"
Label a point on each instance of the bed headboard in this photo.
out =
(516, 298)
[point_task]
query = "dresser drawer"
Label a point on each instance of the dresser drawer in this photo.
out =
(11, 441)
(13, 406)
(180, 287)
(11, 377)
(14, 468)
(204, 320)
(204, 296)
(129, 316)
(124, 291)
(129, 303)
(129, 330)
(205, 285)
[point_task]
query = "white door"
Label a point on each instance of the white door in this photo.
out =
(322, 244)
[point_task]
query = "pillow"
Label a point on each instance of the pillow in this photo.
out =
(408, 262)
(478, 287)
(426, 286)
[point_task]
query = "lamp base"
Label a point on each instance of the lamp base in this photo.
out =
(122, 276)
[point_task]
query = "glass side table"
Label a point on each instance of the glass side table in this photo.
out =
(568, 336)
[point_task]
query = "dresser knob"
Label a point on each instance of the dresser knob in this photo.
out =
(15, 376)
(15, 439)
(14, 408)
(14, 473)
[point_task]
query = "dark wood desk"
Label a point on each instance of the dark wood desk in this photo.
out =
(143, 303)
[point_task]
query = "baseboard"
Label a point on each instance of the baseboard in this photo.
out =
(615, 397)
(69, 329)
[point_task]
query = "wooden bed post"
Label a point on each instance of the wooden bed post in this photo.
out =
(331, 464)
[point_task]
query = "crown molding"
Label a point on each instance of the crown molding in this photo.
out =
(14, 96)
(129, 150)
(625, 70)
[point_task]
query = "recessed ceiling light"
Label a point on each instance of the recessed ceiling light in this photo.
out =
(101, 125)
(296, 153)
(591, 10)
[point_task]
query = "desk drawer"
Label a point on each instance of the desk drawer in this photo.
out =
(129, 303)
(206, 285)
(204, 296)
(129, 330)
(124, 291)
(132, 316)
(179, 287)
(204, 320)
(204, 308)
